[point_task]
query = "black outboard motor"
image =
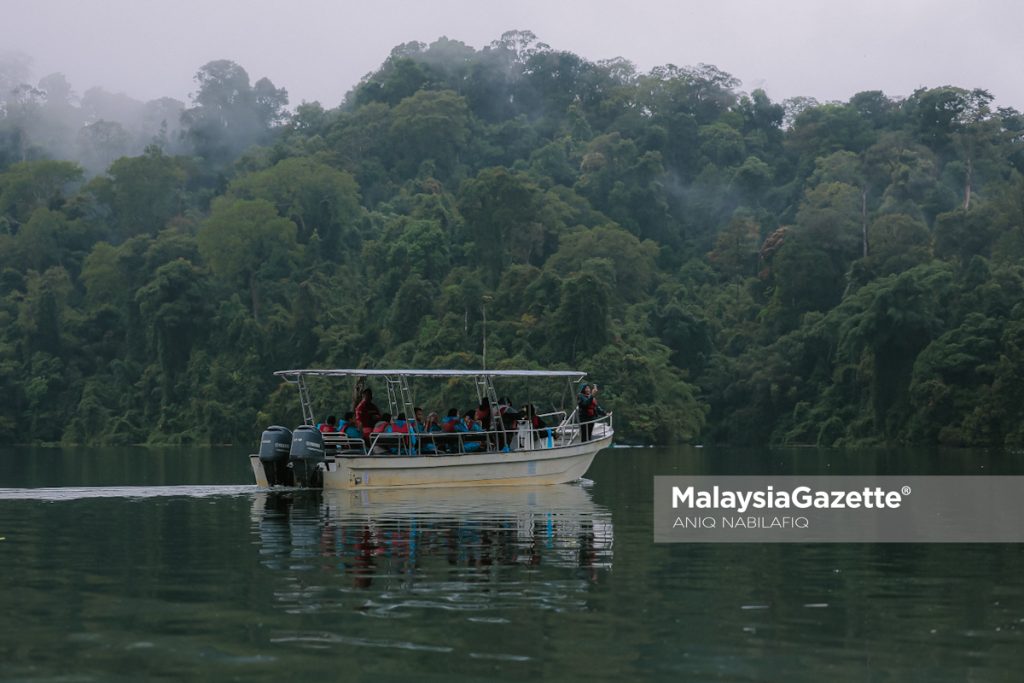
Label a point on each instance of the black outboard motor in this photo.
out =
(275, 444)
(307, 457)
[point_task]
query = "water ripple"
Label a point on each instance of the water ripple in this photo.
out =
(327, 639)
(77, 493)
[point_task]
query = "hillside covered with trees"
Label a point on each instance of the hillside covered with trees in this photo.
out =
(728, 268)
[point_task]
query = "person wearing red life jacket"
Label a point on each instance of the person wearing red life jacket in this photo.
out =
(450, 420)
(483, 415)
(330, 426)
(401, 426)
(588, 410)
(383, 426)
(367, 413)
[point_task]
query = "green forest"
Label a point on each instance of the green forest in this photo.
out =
(729, 269)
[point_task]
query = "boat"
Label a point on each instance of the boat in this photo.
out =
(514, 453)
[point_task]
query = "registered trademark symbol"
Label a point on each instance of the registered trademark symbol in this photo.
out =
(906, 490)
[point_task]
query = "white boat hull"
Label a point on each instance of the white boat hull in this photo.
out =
(558, 465)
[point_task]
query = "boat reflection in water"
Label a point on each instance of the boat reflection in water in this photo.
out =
(471, 548)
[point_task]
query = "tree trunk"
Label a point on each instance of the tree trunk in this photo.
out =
(254, 298)
(864, 219)
(967, 184)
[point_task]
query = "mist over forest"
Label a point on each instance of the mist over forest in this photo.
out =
(729, 269)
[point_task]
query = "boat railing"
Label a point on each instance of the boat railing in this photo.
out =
(521, 437)
(339, 442)
(556, 416)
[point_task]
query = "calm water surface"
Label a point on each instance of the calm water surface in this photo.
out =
(168, 564)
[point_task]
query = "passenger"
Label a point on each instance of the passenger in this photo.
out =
(466, 426)
(367, 413)
(450, 421)
(483, 414)
(433, 424)
(448, 441)
(417, 424)
(349, 427)
(401, 426)
(330, 426)
(383, 426)
(432, 444)
(509, 416)
(537, 423)
(588, 410)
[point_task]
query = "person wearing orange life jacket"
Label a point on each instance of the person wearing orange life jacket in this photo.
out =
(588, 410)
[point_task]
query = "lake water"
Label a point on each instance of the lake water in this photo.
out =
(129, 564)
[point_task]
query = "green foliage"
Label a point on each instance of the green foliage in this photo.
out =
(725, 267)
(314, 196)
(146, 191)
(30, 185)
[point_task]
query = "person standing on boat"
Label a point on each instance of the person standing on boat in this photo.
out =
(537, 424)
(367, 413)
(483, 414)
(588, 410)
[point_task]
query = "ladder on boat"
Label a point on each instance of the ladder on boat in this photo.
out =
(307, 405)
(400, 398)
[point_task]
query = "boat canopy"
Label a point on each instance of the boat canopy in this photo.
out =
(293, 375)
(399, 392)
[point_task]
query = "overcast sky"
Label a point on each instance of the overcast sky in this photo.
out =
(318, 49)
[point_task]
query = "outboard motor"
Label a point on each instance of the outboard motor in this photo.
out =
(307, 457)
(275, 444)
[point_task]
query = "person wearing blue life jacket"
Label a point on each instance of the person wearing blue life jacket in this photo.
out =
(433, 424)
(469, 426)
(431, 430)
(349, 427)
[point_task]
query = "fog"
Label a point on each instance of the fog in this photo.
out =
(319, 49)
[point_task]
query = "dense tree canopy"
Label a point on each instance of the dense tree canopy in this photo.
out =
(728, 268)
